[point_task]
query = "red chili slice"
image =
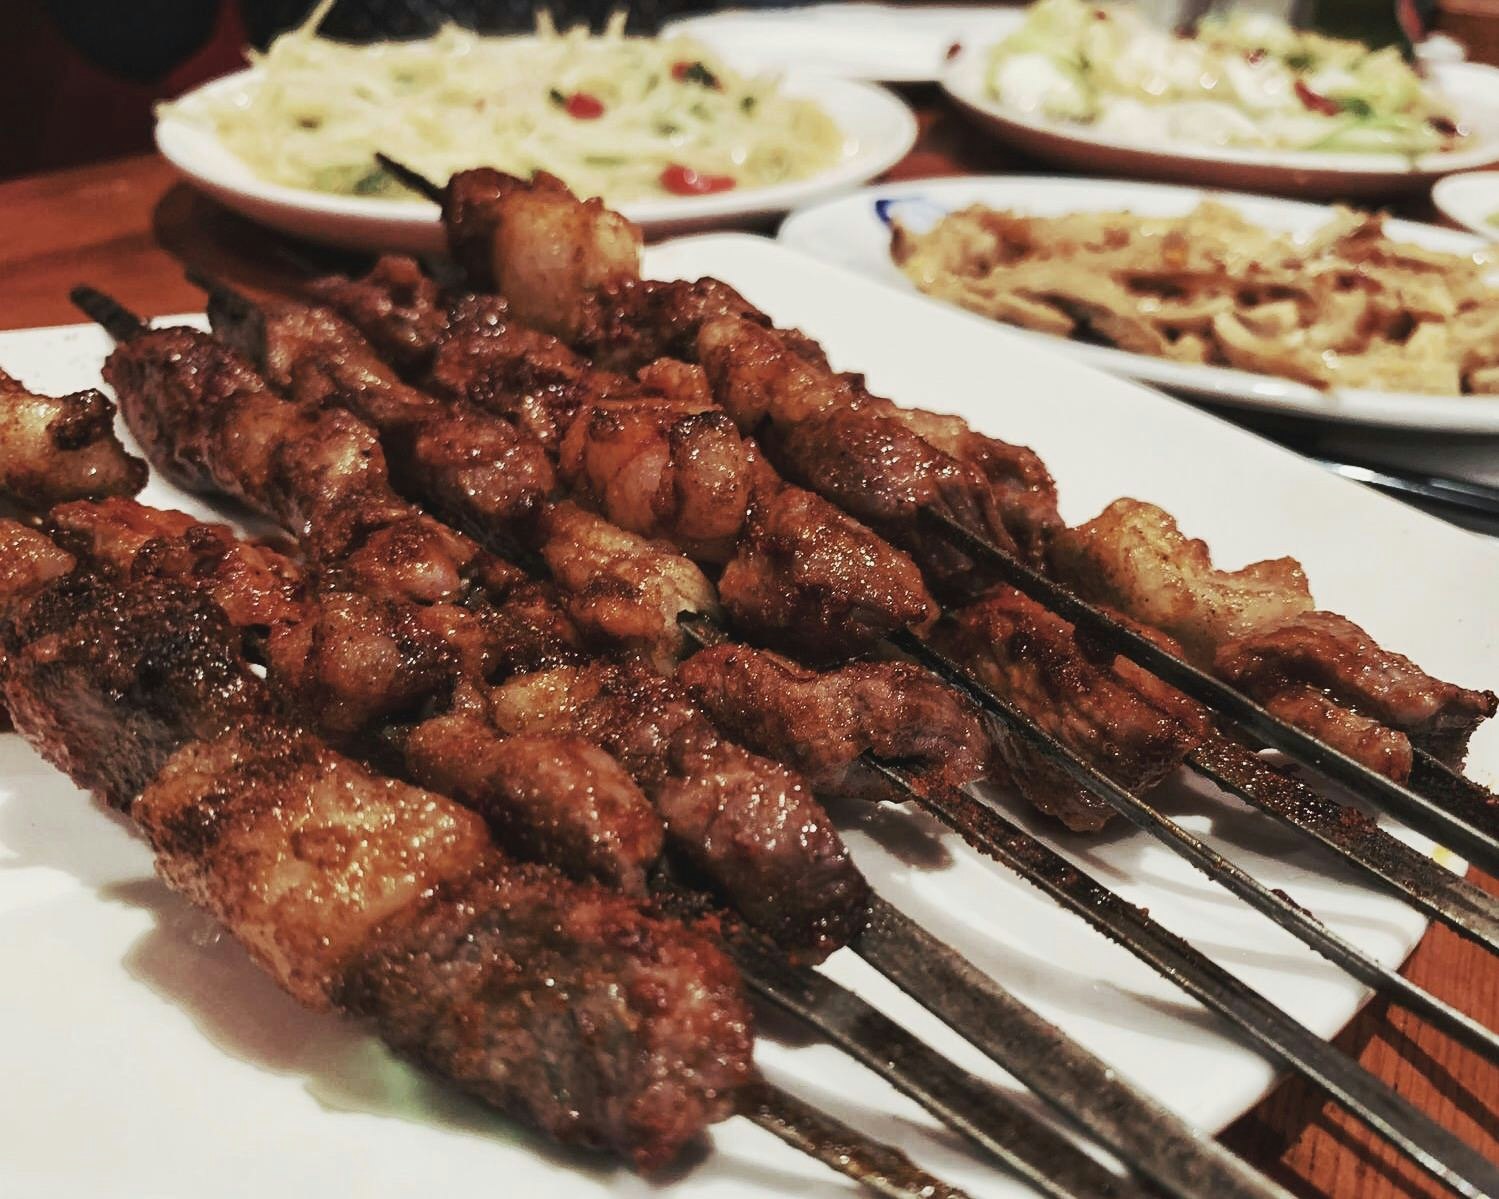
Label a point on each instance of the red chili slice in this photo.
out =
(684, 181)
(584, 107)
(1316, 101)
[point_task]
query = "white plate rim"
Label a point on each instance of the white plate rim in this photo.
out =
(885, 136)
(1222, 385)
(960, 22)
(963, 81)
(1459, 199)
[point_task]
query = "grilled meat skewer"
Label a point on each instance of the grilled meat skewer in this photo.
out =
(374, 898)
(820, 901)
(652, 429)
(655, 457)
(771, 385)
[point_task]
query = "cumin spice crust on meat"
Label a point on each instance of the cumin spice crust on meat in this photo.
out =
(372, 896)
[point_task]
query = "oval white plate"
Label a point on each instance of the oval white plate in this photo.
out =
(852, 232)
(1470, 200)
(893, 43)
(1472, 89)
(878, 130)
(127, 1028)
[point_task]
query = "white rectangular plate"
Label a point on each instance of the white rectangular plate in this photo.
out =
(144, 1055)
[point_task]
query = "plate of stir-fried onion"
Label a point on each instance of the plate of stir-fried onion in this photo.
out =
(1323, 312)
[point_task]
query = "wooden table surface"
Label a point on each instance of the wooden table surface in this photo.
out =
(130, 227)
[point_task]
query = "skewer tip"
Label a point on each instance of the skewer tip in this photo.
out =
(117, 320)
(413, 179)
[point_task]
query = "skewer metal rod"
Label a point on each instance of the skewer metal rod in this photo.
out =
(1474, 836)
(1177, 1158)
(116, 320)
(987, 1116)
(1078, 1086)
(1444, 896)
(879, 1168)
(1430, 1145)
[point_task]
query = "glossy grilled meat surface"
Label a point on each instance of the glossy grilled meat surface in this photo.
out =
(537, 245)
(209, 422)
(882, 464)
(54, 449)
(820, 723)
(811, 579)
(397, 308)
(256, 586)
(471, 467)
(1132, 557)
(1329, 655)
(596, 1022)
(1124, 722)
(747, 825)
(554, 799)
(569, 1006)
(623, 591)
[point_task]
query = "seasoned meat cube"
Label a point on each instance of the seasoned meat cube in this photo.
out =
(1330, 654)
(812, 579)
(1361, 738)
(868, 457)
(633, 323)
(661, 467)
(525, 376)
(63, 448)
(1019, 485)
(29, 560)
(299, 851)
(624, 592)
(821, 723)
(565, 1005)
(553, 799)
(209, 422)
(1134, 558)
(396, 306)
(475, 469)
(253, 584)
(537, 245)
(108, 684)
(1124, 722)
(746, 825)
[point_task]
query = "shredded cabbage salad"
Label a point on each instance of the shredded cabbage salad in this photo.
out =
(612, 115)
(1247, 80)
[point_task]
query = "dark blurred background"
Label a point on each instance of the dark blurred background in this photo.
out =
(78, 77)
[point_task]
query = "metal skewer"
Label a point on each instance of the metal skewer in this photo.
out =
(1473, 834)
(1434, 1148)
(879, 1168)
(1432, 889)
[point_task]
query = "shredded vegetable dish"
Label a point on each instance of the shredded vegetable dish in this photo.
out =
(613, 115)
(1245, 80)
(1347, 306)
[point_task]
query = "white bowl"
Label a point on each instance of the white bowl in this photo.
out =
(878, 130)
